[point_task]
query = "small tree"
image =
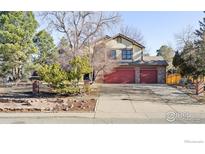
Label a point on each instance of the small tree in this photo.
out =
(187, 61)
(167, 53)
(79, 66)
(177, 60)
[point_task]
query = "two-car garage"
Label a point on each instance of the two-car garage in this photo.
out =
(132, 75)
(150, 69)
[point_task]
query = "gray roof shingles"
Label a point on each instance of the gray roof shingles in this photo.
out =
(151, 60)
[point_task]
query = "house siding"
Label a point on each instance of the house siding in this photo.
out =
(114, 45)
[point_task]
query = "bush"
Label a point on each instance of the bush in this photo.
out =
(87, 88)
(79, 65)
(185, 82)
(71, 90)
(52, 74)
(66, 82)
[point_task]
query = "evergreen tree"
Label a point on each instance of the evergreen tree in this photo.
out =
(200, 48)
(201, 32)
(188, 62)
(177, 60)
(16, 41)
(46, 48)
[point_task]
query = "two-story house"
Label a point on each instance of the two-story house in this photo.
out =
(132, 65)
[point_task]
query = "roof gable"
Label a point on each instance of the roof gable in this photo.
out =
(128, 39)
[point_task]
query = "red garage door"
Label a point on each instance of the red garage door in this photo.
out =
(148, 76)
(126, 75)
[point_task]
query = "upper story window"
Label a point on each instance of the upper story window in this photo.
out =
(126, 54)
(113, 54)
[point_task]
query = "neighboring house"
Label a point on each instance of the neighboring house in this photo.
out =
(132, 66)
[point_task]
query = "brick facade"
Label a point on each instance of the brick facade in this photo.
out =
(161, 74)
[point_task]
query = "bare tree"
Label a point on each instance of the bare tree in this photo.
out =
(101, 60)
(133, 33)
(80, 27)
(64, 54)
(185, 37)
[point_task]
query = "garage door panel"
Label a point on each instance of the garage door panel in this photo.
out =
(120, 76)
(148, 76)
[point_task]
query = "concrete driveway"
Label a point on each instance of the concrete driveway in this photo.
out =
(147, 103)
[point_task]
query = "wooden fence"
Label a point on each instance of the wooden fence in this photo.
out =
(173, 78)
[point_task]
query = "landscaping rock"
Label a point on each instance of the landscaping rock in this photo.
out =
(44, 104)
(4, 100)
(37, 109)
(78, 104)
(59, 100)
(26, 104)
(71, 106)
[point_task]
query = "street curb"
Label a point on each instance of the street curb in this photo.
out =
(47, 115)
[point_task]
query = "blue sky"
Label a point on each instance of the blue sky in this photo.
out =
(159, 28)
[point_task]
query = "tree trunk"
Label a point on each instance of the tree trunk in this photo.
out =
(199, 87)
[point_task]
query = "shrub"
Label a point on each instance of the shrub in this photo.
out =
(52, 74)
(87, 88)
(66, 82)
(79, 65)
(58, 79)
(68, 90)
